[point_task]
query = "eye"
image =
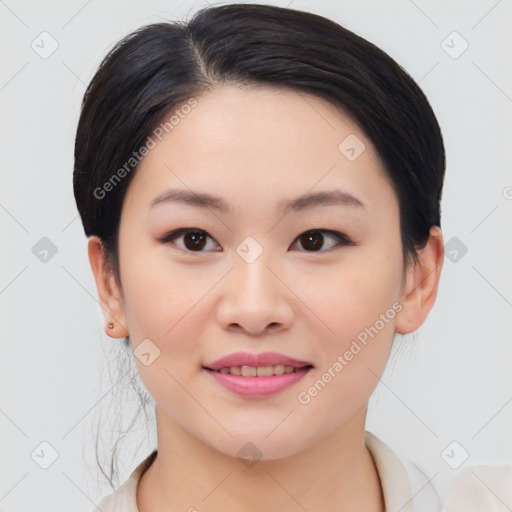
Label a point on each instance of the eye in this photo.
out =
(313, 239)
(194, 240)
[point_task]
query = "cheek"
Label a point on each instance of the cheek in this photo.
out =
(351, 360)
(357, 306)
(348, 300)
(163, 302)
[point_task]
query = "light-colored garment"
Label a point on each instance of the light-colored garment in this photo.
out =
(480, 489)
(404, 486)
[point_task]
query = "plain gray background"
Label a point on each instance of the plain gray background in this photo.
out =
(449, 383)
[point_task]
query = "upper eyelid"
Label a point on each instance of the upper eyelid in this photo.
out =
(182, 231)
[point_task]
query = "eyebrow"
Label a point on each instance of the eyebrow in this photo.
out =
(305, 202)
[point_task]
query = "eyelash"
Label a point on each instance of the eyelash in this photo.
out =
(343, 240)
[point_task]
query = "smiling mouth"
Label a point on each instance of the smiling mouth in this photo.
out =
(259, 371)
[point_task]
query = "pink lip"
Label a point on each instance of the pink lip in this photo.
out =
(247, 359)
(258, 387)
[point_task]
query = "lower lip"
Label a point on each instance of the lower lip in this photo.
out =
(257, 387)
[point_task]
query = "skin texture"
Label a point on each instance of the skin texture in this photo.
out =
(255, 147)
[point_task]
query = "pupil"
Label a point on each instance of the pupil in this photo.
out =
(197, 240)
(315, 238)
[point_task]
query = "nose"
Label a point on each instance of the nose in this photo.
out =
(255, 299)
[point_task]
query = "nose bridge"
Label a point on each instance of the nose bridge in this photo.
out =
(254, 281)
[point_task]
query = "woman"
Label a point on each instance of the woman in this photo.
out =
(261, 189)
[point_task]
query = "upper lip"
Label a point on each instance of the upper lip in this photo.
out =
(248, 359)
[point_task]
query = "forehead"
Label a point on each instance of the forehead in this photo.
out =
(260, 142)
(235, 118)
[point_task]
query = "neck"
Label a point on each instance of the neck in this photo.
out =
(337, 473)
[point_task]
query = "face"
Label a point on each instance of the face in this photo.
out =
(319, 282)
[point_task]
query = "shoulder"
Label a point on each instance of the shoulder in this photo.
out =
(124, 499)
(407, 488)
(477, 488)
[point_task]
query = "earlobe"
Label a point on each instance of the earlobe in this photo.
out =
(421, 283)
(108, 293)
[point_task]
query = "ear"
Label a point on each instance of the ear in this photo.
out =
(109, 295)
(420, 287)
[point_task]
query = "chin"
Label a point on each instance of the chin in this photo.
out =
(259, 446)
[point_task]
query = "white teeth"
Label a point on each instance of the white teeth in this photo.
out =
(264, 371)
(260, 371)
(249, 371)
(278, 369)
